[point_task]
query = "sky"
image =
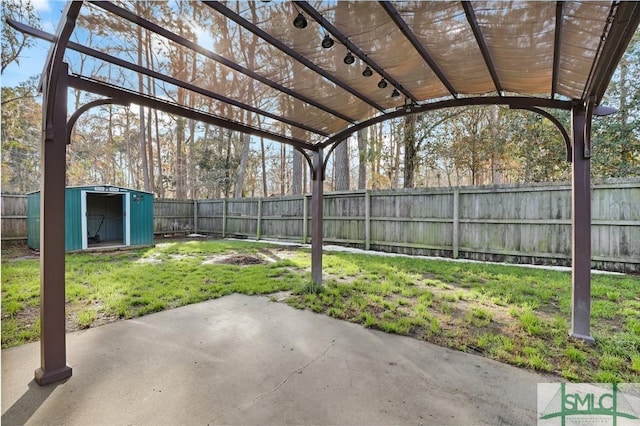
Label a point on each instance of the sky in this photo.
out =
(32, 60)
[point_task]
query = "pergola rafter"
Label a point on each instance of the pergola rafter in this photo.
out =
(482, 44)
(131, 97)
(556, 48)
(402, 25)
(561, 78)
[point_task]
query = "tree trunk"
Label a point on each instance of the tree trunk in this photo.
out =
(149, 148)
(110, 143)
(179, 173)
(265, 189)
(496, 152)
(128, 143)
(181, 66)
(191, 169)
(249, 52)
(296, 173)
(341, 162)
(227, 167)
(243, 165)
(159, 185)
(378, 151)
(395, 183)
(362, 155)
(410, 151)
(283, 166)
(159, 151)
(143, 128)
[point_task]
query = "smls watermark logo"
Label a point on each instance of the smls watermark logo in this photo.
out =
(588, 404)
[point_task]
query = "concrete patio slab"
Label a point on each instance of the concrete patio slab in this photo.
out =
(246, 360)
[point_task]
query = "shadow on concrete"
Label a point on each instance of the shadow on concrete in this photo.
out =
(25, 407)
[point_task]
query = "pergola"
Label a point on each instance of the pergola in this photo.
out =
(309, 74)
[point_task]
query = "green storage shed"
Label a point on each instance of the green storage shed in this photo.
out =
(98, 216)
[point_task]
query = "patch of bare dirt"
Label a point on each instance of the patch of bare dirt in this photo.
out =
(71, 316)
(280, 296)
(236, 259)
(27, 316)
(15, 251)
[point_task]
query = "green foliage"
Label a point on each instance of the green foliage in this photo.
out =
(575, 355)
(85, 318)
(21, 132)
(530, 322)
(635, 362)
(540, 363)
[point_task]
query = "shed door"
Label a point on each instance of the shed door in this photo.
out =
(104, 218)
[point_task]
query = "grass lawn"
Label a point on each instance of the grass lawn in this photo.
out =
(515, 315)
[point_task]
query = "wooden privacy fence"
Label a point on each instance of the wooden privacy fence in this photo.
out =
(14, 217)
(516, 223)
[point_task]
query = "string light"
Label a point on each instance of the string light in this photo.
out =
(327, 41)
(300, 21)
(349, 58)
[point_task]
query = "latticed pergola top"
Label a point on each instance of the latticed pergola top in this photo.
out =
(247, 64)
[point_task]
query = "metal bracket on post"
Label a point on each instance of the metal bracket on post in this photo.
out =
(587, 126)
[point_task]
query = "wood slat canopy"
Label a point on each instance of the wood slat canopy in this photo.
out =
(245, 66)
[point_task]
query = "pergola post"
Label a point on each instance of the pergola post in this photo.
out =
(53, 363)
(581, 224)
(317, 177)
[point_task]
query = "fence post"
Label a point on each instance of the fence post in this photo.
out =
(224, 218)
(305, 219)
(456, 223)
(367, 220)
(259, 224)
(195, 216)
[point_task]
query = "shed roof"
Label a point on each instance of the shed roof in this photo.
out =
(101, 188)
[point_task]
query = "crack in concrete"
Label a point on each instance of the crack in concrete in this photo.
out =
(281, 384)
